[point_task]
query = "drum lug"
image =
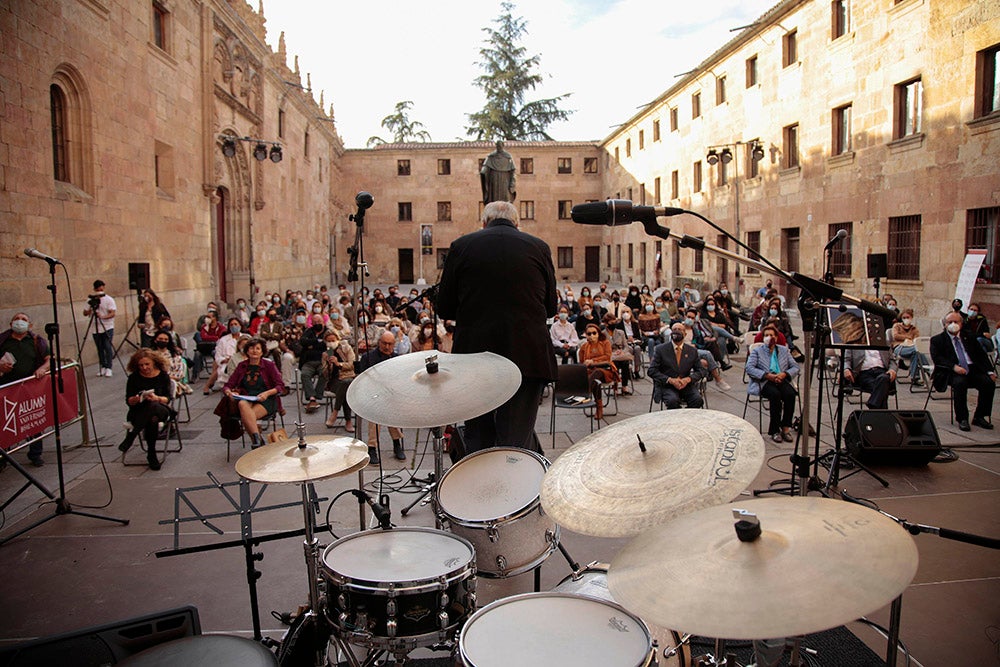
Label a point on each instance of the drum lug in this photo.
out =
(502, 564)
(550, 536)
(443, 620)
(390, 628)
(390, 608)
(472, 602)
(493, 533)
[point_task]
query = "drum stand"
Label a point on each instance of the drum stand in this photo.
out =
(430, 491)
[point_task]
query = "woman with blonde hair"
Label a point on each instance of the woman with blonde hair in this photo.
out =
(147, 394)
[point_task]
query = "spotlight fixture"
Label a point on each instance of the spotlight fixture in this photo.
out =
(713, 157)
(228, 147)
(727, 156)
(260, 152)
(757, 152)
(276, 153)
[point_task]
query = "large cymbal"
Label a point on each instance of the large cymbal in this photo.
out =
(284, 462)
(817, 564)
(401, 392)
(606, 486)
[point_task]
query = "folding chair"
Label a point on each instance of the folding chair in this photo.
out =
(168, 427)
(572, 384)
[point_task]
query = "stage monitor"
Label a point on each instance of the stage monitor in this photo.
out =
(851, 327)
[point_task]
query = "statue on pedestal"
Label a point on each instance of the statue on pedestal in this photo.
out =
(498, 176)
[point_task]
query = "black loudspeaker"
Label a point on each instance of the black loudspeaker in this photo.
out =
(878, 266)
(138, 275)
(903, 437)
(105, 644)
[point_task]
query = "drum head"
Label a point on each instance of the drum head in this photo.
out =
(492, 484)
(544, 629)
(400, 555)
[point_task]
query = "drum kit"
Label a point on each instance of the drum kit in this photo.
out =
(751, 570)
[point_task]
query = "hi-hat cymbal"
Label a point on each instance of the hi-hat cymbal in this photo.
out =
(605, 485)
(402, 392)
(817, 564)
(284, 462)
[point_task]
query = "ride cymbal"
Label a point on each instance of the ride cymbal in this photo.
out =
(403, 392)
(817, 564)
(606, 486)
(285, 462)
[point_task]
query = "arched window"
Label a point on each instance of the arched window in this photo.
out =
(60, 167)
(70, 118)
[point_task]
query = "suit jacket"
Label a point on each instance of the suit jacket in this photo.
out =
(759, 365)
(499, 286)
(664, 365)
(944, 358)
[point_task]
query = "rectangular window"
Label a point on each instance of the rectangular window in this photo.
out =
(607, 256)
(723, 167)
(628, 147)
(841, 259)
(753, 242)
(305, 144)
(444, 167)
(987, 81)
(642, 139)
(565, 208)
(904, 247)
(982, 232)
(442, 257)
(673, 119)
(675, 184)
(751, 68)
(909, 108)
(160, 26)
(402, 167)
(628, 193)
(405, 211)
(656, 190)
(565, 165)
(564, 256)
(840, 19)
(790, 147)
(527, 209)
(617, 158)
(695, 105)
(444, 211)
(642, 194)
(696, 177)
(618, 258)
(163, 167)
(841, 130)
(281, 123)
(656, 130)
(57, 101)
(590, 165)
(789, 48)
(720, 90)
(699, 258)
(631, 256)
(527, 165)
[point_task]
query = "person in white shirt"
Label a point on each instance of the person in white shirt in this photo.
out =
(564, 337)
(104, 326)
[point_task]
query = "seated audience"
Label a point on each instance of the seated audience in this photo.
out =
(771, 368)
(961, 363)
(564, 338)
(260, 378)
(147, 394)
(595, 354)
(675, 371)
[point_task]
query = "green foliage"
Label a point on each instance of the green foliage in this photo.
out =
(509, 75)
(401, 127)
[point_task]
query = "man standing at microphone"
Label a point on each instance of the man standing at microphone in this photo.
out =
(508, 322)
(102, 307)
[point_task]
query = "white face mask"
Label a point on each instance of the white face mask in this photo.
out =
(626, 316)
(954, 327)
(768, 340)
(19, 326)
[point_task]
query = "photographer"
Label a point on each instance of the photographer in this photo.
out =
(102, 307)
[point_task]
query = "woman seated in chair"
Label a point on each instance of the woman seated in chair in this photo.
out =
(259, 378)
(338, 368)
(147, 393)
(176, 365)
(771, 369)
(904, 336)
(626, 348)
(595, 354)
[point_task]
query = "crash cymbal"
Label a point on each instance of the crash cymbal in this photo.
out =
(285, 462)
(401, 392)
(605, 485)
(818, 563)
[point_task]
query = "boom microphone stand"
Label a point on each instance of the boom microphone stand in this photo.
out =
(62, 505)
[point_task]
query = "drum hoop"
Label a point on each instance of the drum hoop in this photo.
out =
(409, 586)
(513, 516)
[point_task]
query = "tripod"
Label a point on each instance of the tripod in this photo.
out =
(62, 506)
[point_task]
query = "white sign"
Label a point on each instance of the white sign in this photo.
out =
(967, 278)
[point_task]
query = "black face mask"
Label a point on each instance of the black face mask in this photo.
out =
(318, 327)
(676, 336)
(956, 307)
(161, 344)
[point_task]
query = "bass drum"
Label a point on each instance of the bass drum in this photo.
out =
(593, 582)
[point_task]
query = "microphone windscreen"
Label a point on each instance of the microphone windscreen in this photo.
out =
(592, 213)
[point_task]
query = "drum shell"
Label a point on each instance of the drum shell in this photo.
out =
(515, 541)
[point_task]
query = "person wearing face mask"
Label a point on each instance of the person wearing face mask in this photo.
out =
(151, 311)
(675, 371)
(626, 349)
(776, 315)
(381, 314)
(176, 366)
(427, 338)
(564, 338)
(587, 316)
(290, 346)
(651, 326)
(570, 303)
(339, 361)
(633, 300)
(242, 312)
(23, 354)
(224, 350)
(771, 369)
(310, 300)
(279, 307)
(711, 313)
(382, 351)
(694, 334)
(368, 332)
(258, 317)
(317, 316)
(667, 308)
(595, 354)
(904, 336)
(960, 362)
(978, 326)
(339, 324)
(311, 349)
(271, 331)
(403, 342)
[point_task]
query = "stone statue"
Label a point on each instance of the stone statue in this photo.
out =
(498, 176)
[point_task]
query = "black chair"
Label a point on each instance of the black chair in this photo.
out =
(571, 392)
(206, 352)
(169, 430)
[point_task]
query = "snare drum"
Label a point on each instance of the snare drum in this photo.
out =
(491, 499)
(593, 582)
(550, 629)
(399, 589)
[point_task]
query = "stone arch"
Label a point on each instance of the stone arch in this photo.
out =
(68, 85)
(231, 230)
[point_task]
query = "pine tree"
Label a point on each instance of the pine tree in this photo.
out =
(509, 75)
(402, 128)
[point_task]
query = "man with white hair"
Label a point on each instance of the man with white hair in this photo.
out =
(499, 286)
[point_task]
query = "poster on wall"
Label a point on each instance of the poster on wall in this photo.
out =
(426, 239)
(967, 278)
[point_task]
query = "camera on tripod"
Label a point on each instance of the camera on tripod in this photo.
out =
(94, 301)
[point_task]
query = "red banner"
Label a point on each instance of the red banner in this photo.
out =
(27, 407)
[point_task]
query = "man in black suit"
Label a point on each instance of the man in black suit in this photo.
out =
(499, 286)
(872, 371)
(675, 371)
(959, 361)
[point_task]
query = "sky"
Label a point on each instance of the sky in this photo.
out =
(612, 56)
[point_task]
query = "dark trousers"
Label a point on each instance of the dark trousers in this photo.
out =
(960, 385)
(105, 350)
(876, 383)
(146, 416)
(781, 402)
(672, 396)
(567, 354)
(510, 425)
(625, 370)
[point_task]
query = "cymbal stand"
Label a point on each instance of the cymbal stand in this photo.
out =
(430, 490)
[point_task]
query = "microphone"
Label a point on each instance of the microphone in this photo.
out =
(31, 252)
(614, 212)
(380, 510)
(839, 236)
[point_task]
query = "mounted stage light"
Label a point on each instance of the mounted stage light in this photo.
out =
(727, 156)
(228, 147)
(713, 157)
(276, 153)
(260, 152)
(757, 152)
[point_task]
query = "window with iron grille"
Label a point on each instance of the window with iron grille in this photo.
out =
(402, 167)
(987, 81)
(699, 258)
(60, 166)
(565, 165)
(904, 247)
(527, 211)
(444, 211)
(564, 256)
(753, 242)
(631, 256)
(444, 167)
(590, 165)
(527, 165)
(982, 232)
(841, 258)
(405, 211)
(565, 207)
